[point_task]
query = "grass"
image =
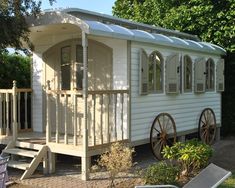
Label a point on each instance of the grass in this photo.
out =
(230, 182)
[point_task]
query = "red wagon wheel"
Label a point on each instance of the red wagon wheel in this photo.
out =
(207, 126)
(163, 132)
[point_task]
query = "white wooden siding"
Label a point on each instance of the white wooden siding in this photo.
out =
(37, 106)
(120, 78)
(184, 108)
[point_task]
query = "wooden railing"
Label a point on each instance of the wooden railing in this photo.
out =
(15, 110)
(106, 117)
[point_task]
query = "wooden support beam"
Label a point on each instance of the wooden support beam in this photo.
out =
(1, 115)
(26, 110)
(85, 161)
(14, 124)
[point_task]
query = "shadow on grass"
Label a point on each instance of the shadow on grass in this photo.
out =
(229, 183)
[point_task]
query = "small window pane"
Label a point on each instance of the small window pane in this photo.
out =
(65, 68)
(158, 74)
(187, 74)
(155, 72)
(79, 66)
(151, 73)
(210, 79)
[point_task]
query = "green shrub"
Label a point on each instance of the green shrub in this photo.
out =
(191, 155)
(161, 173)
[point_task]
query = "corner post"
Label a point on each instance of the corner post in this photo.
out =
(48, 125)
(14, 127)
(85, 158)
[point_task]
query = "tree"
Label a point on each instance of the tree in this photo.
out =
(15, 67)
(212, 20)
(13, 27)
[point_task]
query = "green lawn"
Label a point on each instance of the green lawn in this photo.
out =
(230, 182)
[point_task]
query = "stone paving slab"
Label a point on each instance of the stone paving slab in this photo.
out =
(68, 173)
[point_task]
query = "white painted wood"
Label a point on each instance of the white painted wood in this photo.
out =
(220, 75)
(66, 119)
(26, 110)
(34, 163)
(199, 75)
(37, 96)
(1, 117)
(7, 115)
(101, 118)
(28, 145)
(75, 120)
(19, 164)
(21, 152)
(115, 117)
(94, 119)
(18, 110)
(184, 108)
(143, 72)
(52, 161)
(57, 118)
(85, 166)
(172, 74)
(48, 119)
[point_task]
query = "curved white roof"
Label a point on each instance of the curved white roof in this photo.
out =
(110, 30)
(98, 28)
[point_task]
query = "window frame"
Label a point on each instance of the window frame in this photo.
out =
(69, 64)
(186, 90)
(210, 75)
(154, 67)
(78, 67)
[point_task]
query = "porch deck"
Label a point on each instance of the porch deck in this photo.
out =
(74, 124)
(36, 138)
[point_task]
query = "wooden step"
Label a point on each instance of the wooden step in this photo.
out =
(21, 152)
(18, 164)
(28, 145)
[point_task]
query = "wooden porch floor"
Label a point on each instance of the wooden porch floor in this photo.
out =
(61, 147)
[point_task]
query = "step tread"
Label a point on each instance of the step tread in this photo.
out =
(18, 164)
(29, 145)
(21, 152)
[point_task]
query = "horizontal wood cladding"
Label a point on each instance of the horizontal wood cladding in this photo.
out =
(185, 108)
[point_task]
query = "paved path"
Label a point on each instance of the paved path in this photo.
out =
(68, 176)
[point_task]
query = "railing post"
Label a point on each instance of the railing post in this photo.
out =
(48, 125)
(14, 127)
(1, 116)
(85, 157)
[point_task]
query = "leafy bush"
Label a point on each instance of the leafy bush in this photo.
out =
(192, 155)
(161, 173)
(118, 159)
(15, 67)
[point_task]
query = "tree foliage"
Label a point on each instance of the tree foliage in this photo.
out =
(13, 27)
(212, 20)
(15, 67)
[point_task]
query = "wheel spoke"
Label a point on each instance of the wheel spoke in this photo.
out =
(204, 115)
(158, 143)
(160, 125)
(204, 123)
(156, 130)
(207, 126)
(167, 123)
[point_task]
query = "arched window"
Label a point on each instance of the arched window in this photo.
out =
(210, 75)
(155, 72)
(187, 74)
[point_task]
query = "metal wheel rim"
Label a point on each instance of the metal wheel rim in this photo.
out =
(207, 126)
(163, 132)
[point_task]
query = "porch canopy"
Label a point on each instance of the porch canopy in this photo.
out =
(107, 26)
